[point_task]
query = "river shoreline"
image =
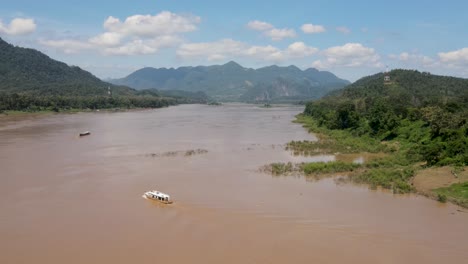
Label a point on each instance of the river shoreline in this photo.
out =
(377, 171)
(72, 111)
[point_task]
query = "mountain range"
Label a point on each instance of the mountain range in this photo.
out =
(232, 82)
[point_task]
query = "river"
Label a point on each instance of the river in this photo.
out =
(66, 199)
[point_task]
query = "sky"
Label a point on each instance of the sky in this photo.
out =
(352, 39)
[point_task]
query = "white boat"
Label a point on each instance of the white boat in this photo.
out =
(85, 133)
(158, 196)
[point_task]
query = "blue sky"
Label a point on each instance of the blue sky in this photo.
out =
(349, 38)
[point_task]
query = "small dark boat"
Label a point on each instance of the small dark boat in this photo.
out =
(86, 133)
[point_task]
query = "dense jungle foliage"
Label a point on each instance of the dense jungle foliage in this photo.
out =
(423, 115)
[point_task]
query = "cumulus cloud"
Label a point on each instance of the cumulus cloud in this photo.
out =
(259, 25)
(164, 23)
(69, 46)
(311, 29)
(218, 49)
(267, 53)
(279, 34)
(144, 46)
(300, 49)
(343, 30)
(106, 39)
(228, 48)
(455, 58)
(404, 56)
(452, 63)
(414, 59)
(18, 26)
(136, 35)
(270, 31)
(135, 47)
(349, 55)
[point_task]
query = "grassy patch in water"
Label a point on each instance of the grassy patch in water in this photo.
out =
(281, 168)
(329, 167)
(457, 193)
(312, 168)
(391, 172)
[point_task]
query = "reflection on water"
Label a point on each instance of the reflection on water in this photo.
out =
(66, 199)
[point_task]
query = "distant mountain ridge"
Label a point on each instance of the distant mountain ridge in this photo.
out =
(231, 81)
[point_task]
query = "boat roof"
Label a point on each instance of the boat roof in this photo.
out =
(157, 193)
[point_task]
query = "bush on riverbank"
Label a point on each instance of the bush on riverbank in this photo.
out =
(457, 193)
(36, 103)
(332, 141)
(394, 171)
(391, 172)
(388, 178)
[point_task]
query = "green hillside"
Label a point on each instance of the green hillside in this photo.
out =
(413, 122)
(28, 70)
(426, 114)
(31, 81)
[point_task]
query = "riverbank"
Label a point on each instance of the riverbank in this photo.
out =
(13, 113)
(443, 184)
(390, 169)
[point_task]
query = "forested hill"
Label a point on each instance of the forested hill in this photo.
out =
(412, 88)
(31, 81)
(231, 81)
(428, 112)
(24, 70)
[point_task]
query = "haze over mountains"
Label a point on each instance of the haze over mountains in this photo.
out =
(233, 82)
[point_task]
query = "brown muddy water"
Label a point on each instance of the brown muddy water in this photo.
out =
(65, 199)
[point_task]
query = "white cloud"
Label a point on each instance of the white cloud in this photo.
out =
(414, 59)
(69, 46)
(343, 30)
(300, 49)
(214, 49)
(455, 58)
(349, 55)
(265, 53)
(18, 26)
(135, 47)
(404, 56)
(137, 35)
(107, 39)
(311, 29)
(228, 48)
(279, 34)
(259, 25)
(268, 30)
(164, 23)
(143, 46)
